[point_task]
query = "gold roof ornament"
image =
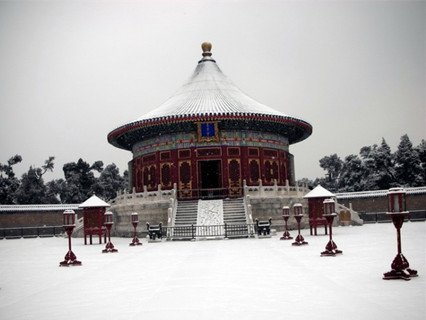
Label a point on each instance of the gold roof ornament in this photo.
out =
(206, 47)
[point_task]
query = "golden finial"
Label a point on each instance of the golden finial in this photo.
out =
(207, 47)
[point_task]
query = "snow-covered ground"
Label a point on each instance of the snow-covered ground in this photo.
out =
(227, 279)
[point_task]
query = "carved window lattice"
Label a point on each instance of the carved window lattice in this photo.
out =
(268, 171)
(165, 155)
(234, 170)
(166, 175)
(184, 153)
(185, 172)
(254, 171)
(253, 152)
(233, 151)
(152, 173)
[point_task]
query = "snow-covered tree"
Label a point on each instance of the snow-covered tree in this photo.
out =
(407, 164)
(32, 189)
(332, 165)
(421, 150)
(80, 179)
(385, 166)
(352, 174)
(8, 181)
(109, 182)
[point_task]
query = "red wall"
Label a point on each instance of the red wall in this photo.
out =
(181, 166)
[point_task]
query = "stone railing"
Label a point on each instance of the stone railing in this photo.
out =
(247, 209)
(171, 214)
(146, 196)
(377, 193)
(275, 190)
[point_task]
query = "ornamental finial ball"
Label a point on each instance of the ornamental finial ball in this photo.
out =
(206, 46)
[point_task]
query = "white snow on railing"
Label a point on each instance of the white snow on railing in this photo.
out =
(377, 193)
(275, 190)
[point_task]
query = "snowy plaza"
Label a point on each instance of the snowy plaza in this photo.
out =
(226, 279)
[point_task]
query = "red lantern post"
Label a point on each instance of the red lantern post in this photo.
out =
(69, 224)
(298, 214)
(329, 214)
(135, 221)
(108, 224)
(286, 215)
(396, 207)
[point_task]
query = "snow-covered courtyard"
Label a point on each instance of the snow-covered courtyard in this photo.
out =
(227, 279)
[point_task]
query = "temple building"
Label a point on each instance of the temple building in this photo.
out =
(208, 138)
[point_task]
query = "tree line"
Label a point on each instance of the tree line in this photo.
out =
(78, 185)
(375, 168)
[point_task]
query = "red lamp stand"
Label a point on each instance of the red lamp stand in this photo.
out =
(108, 224)
(400, 265)
(286, 215)
(135, 221)
(298, 214)
(329, 214)
(69, 224)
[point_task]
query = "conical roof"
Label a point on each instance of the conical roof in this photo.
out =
(94, 202)
(209, 92)
(209, 95)
(319, 192)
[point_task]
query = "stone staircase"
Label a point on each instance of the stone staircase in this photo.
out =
(233, 211)
(235, 217)
(186, 213)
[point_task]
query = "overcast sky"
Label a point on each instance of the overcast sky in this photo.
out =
(70, 72)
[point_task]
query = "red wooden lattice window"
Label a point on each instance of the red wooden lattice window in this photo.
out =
(254, 171)
(234, 170)
(185, 172)
(166, 178)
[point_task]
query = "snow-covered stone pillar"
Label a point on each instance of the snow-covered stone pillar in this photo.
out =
(159, 194)
(145, 192)
(275, 188)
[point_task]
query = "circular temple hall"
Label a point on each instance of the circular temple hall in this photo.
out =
(209, 138)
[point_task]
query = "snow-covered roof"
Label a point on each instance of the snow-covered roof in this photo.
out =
(319, 192)
(377, 193)
(209, 93)
(37, 207)
(94, 202)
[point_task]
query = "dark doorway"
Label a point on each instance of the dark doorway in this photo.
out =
(210, 178)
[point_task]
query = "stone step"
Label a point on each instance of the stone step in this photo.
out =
(235, 220)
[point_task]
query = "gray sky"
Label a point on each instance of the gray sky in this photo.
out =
(70, 72)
